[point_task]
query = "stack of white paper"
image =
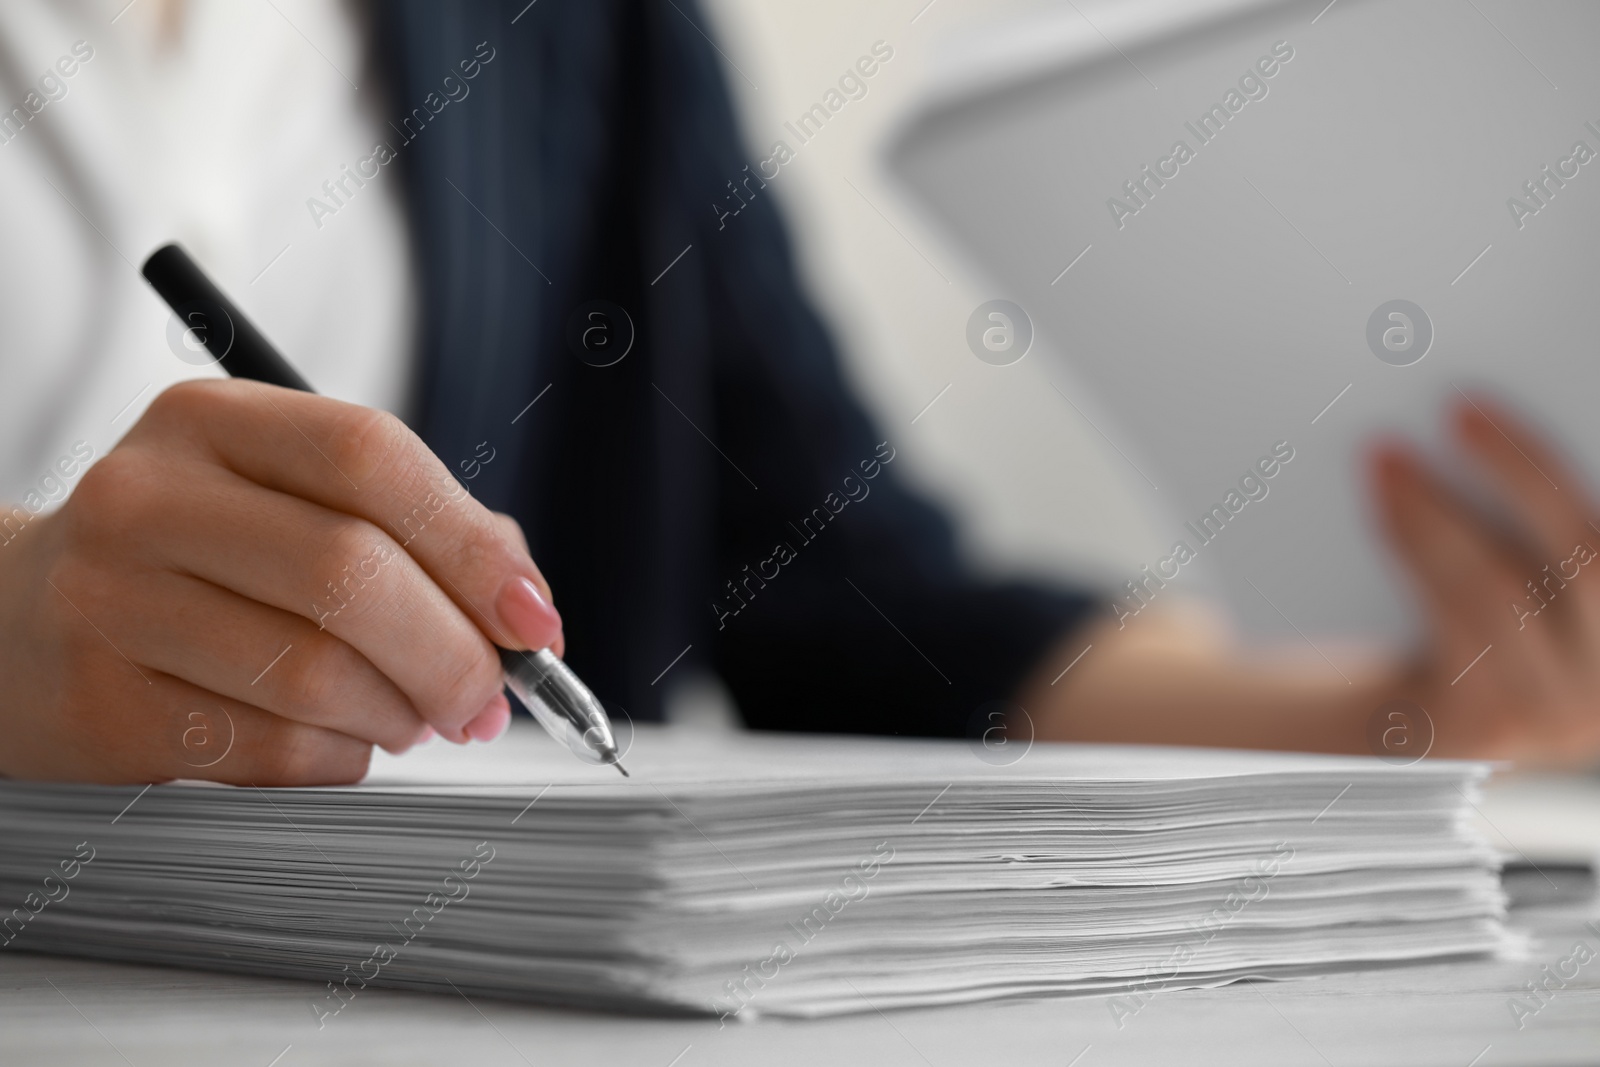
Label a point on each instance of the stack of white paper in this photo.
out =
(767, 874)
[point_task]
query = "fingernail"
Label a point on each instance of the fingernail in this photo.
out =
(491, 722)
(530, 617)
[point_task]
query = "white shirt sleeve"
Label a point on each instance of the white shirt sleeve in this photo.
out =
(117, 136)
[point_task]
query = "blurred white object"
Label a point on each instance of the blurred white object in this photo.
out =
(1339, 159)
(214, 131)
(1541, 818)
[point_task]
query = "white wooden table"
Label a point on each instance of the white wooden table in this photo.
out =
(65, 1011)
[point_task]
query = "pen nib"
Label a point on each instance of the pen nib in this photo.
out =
(618, 765)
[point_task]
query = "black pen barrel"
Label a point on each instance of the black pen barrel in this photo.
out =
(208, 314)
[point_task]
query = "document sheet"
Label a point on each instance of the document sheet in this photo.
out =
(749, 874)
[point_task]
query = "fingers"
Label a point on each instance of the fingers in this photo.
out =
(492, 721)
(267, 750)
(341, 573)
(262, 656)
(167, 728)
(1547, 496)
(1532, 694)
(277, 582)
(513, 530)
(1550, 506)
(367, 464)
(1468, 580)
(1440, 556)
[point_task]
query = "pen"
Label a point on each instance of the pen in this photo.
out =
(546, 686)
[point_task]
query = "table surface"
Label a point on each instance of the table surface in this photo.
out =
(67, 1011)
(59, 1010)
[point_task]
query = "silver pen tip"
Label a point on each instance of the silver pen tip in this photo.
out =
(618, 765)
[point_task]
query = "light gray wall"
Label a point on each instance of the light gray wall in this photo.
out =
(1032, 483)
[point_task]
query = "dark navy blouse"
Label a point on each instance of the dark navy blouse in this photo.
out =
(718, 487)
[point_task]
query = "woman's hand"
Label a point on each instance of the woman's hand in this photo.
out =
(256, 586)
(1511, 666)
